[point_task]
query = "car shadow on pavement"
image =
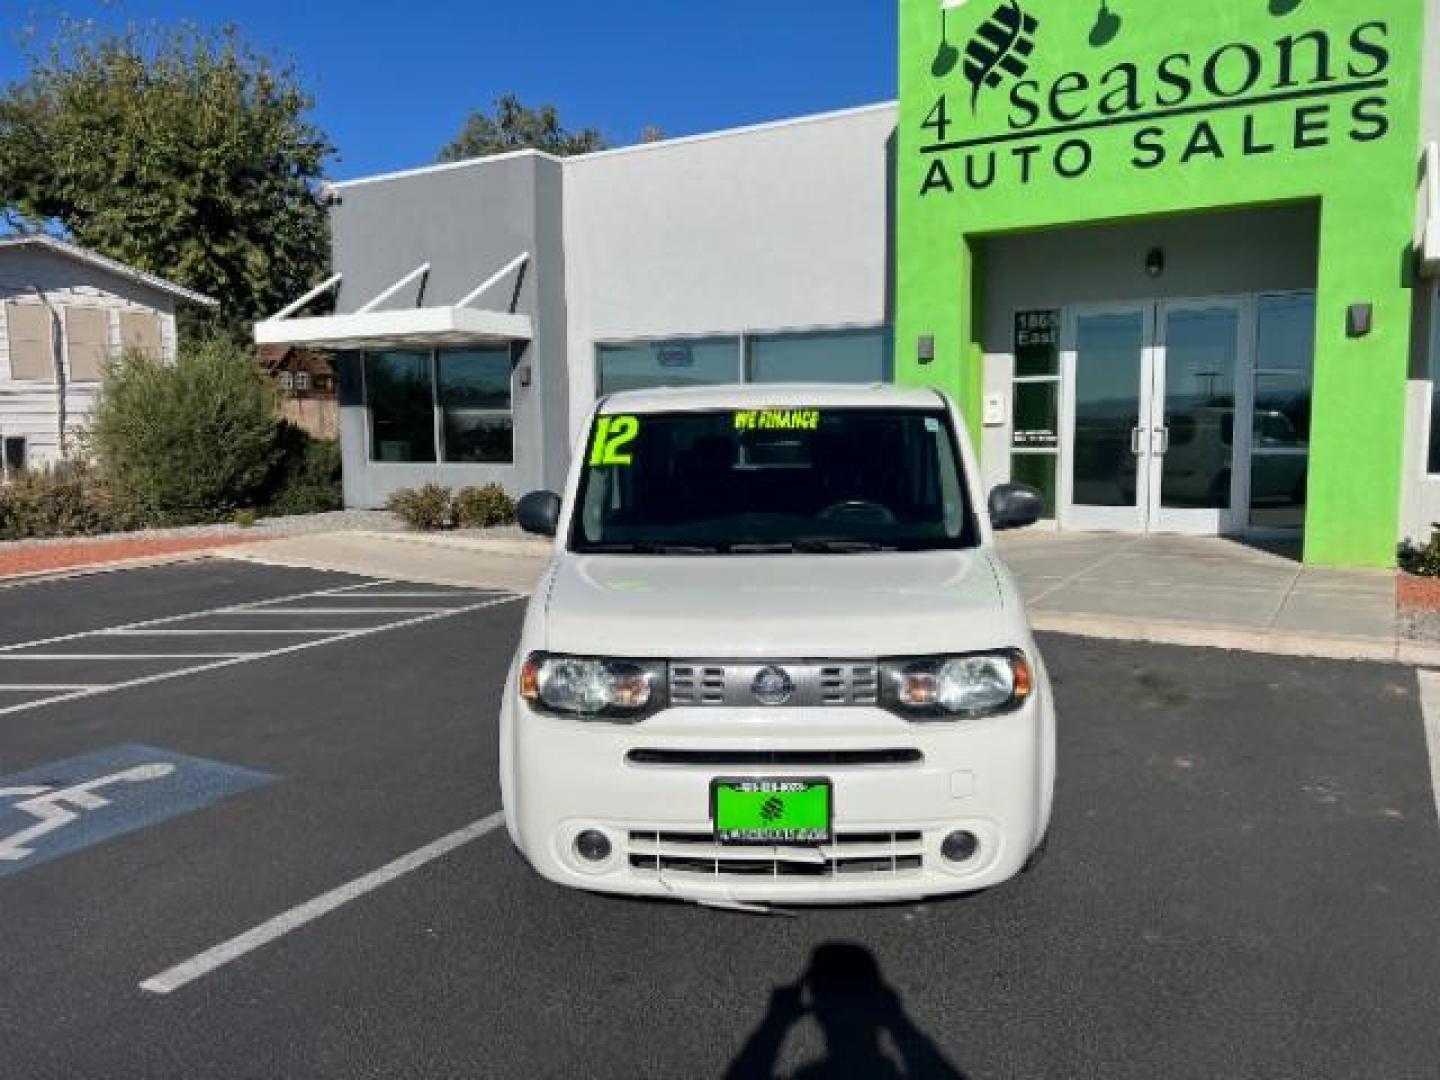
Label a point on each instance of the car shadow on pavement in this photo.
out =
(866, 1030)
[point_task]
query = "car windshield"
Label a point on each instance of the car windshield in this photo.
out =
(741, 481)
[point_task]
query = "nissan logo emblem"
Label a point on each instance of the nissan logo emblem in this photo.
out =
(772, 686)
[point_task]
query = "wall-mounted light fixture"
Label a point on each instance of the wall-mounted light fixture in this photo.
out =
(1360, 320)
(925, 349)
(1155, 262)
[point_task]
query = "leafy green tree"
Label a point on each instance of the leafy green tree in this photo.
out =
(181, 152)
(516, 127)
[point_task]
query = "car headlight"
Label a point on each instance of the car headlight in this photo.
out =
(592, 687)
(951, 687)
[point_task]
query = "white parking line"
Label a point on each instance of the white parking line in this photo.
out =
(214, 661)
(170, 619)
(220, 633)
(333, 611)
(16, 657)
(228, 951)
(1430, 710)
(32, 688)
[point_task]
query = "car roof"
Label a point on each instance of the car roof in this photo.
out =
(773, 396)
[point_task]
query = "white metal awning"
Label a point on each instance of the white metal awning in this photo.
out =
(371, 328)
(426, 328)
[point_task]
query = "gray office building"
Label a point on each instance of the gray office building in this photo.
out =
(481, 307)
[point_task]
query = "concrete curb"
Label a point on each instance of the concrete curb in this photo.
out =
(516, 547)
(258, 557)
(61, 573)
(1239, 638)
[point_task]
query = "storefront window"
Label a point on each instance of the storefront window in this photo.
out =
(707, 362)
(476, 419)
(1284, 381)
(401, 397)
(1434, 455)
(842, 356)
(1035, 434)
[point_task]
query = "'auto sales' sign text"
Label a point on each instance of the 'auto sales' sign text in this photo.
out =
(1297, 90)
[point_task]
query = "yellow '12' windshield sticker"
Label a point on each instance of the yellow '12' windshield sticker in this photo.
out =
(613, 436)
(778, 420)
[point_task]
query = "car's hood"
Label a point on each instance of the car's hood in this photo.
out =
(784, 606)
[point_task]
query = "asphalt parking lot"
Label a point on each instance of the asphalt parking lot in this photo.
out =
(1242, 881)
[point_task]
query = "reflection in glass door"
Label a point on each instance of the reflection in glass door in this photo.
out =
(1151, 395)
(1284, 377)
(1106, 367)
(1192, 425)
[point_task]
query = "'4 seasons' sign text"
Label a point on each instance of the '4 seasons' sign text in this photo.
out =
(1299, 91)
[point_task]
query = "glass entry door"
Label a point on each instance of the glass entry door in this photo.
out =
(1152, 392)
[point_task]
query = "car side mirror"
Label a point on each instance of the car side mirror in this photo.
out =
(539, 513)
(1015, 506)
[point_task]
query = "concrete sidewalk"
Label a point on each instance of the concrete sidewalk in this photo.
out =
(1207, 591)
(1171, 590)
(503, 560)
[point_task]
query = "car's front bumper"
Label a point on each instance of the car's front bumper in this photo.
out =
(990, 777)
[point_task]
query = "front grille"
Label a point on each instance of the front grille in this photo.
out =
(691, 685)
(851, 854)
(858, 684)
(697, 683)
(742, 759)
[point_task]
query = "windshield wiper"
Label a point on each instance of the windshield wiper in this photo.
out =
(811, 547)
(651, 549)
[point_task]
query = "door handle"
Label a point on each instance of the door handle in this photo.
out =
(1135, 434)
(1160, 442)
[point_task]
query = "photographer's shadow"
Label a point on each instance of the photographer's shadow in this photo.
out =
(867, 1032)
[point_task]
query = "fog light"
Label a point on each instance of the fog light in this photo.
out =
(960, 846)
(592, 846)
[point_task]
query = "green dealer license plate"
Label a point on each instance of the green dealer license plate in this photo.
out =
(771, 811)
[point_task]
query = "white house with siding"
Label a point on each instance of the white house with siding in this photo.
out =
(64, 312)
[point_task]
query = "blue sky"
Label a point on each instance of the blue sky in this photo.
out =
(394, 80)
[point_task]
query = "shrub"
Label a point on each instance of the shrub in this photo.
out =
(424, 508)
(246, 519)
(483, 507)
(189, 441)
(306, 479)
(1423, 561)
(68, 500)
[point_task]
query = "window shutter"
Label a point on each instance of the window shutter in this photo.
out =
(32, 354)
(87, 331)
(140, 330)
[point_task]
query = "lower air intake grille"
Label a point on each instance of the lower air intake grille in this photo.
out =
(851, 854)
(742, 759)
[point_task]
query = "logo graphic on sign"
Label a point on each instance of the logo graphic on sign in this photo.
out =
(1001, 46)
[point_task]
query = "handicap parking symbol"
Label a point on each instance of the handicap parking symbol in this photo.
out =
(57, 809)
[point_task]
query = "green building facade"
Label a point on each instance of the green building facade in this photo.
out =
(1051, 130)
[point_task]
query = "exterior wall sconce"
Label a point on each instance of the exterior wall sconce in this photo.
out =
(925, 350)
(1155, 262)
(1360, 320)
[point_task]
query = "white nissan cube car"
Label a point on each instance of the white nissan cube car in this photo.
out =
(775, 658)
